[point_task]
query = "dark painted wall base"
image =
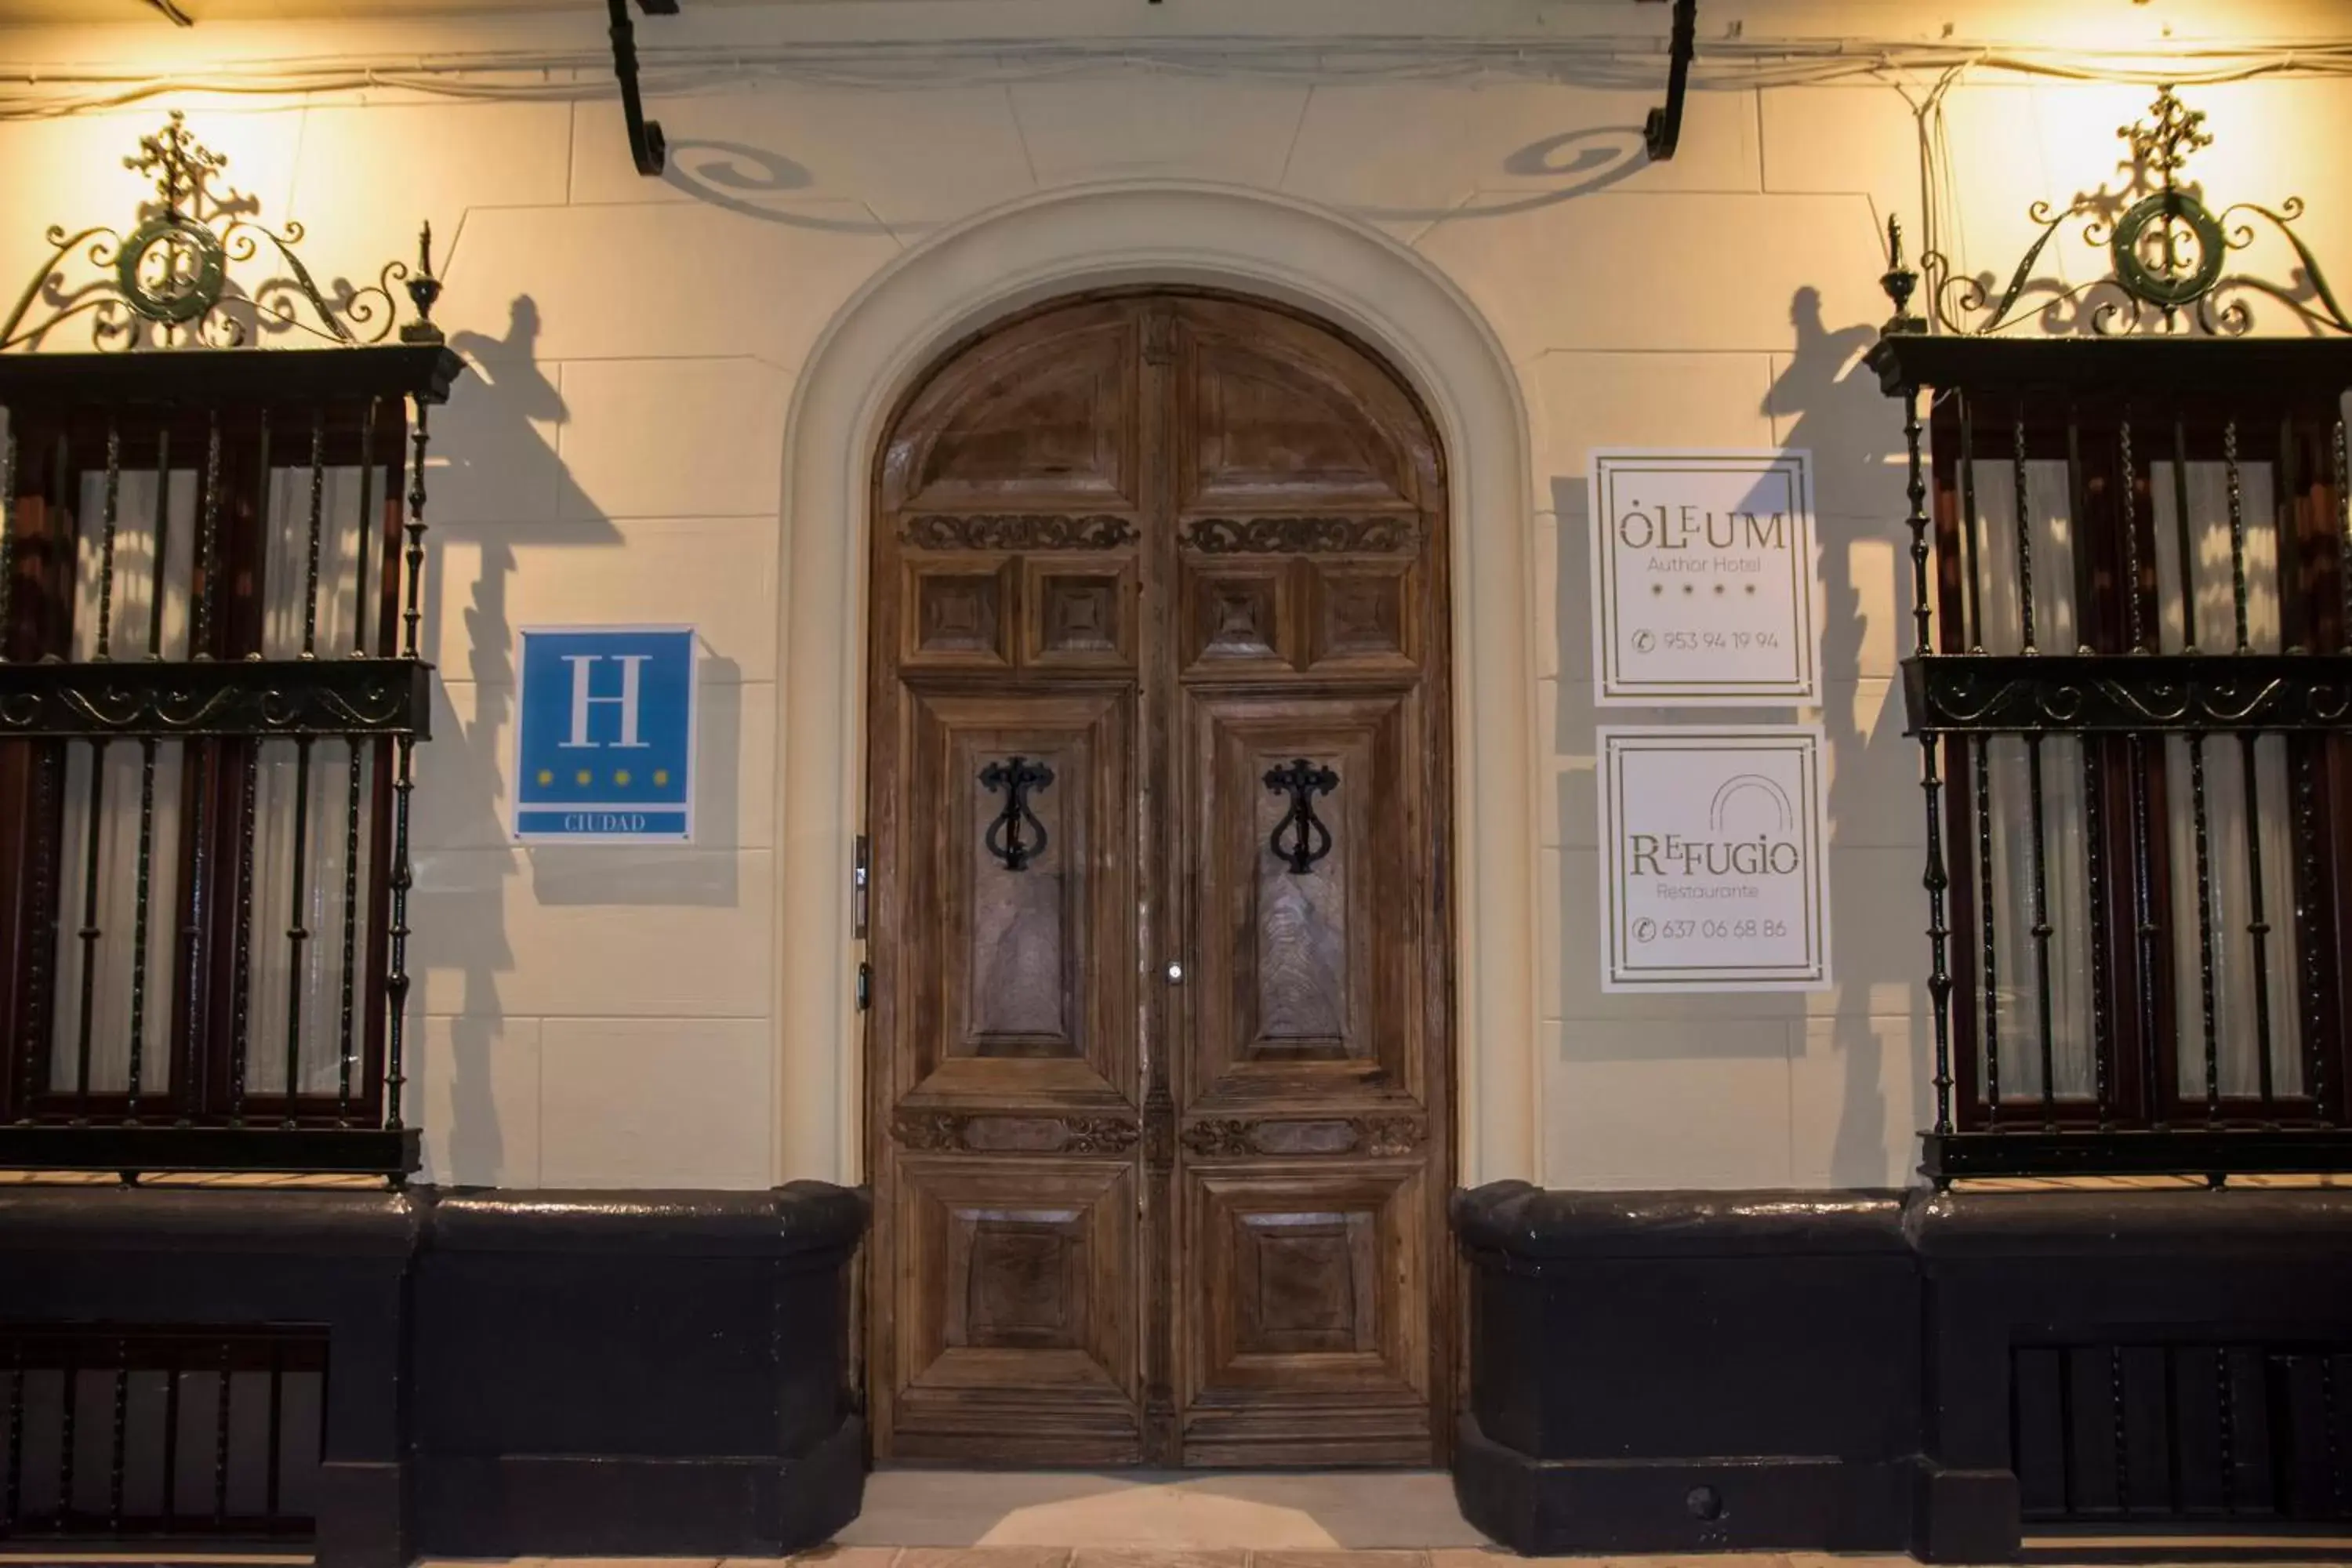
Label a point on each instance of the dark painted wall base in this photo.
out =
(509, 1375)
(521, 1505)
(1882, 1372)
(1681, 1506)
(656, 1373)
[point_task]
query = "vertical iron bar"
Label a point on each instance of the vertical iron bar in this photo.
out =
(2024, 535)
(7, 543)
(2042, 932)
(297, 933)
(318, 519)
(91, 930)
(2237, 531)
(358, 747)
(14, 1518)
(220, 1443)
(2308, 902)
(2209, 981)
(404, 784)
(170, 1440)
(159, 543)
(1988, 922)
(2122, 1428)
(2147, 929)
(121, 1437)
(2066, 1481)
(1973, 523)
(159, 556)
(2258, 925)
(2094, 857)
(1979, 750)
(208, 542)
(2343, 533)
(67, 1440)
(2143, 870)
(106, 543)
(2226, 1394)
(2329, 1427)
(2188, 543)
(277, 1411)
(1935, 878)
(139, 921)
(241, 983)
(418, 440)
(41, 965)
(196, 758)
(366, 530)
(2095, 781)
(2130, 498)
(2172, 1355)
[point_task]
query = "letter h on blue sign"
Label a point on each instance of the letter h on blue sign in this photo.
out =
(604, 734)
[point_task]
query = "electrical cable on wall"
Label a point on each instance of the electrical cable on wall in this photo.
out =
(1598, 62)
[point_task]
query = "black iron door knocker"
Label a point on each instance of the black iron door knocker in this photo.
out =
(1309, 839)
(1014, 778)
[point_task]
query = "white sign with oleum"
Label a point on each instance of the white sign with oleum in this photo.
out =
(1703, 573)
(1714, 862)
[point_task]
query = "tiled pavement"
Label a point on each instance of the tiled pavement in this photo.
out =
(1146, 1557)
(1174, 1557)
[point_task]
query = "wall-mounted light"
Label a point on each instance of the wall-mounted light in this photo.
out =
(1663, 130)
(646, 144)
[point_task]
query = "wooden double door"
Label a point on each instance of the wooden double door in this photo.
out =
(1159, 1041)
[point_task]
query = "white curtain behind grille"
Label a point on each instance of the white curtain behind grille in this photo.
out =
(104, 968)
(318, 1000)
(318, 1011)
(2230, 859)
(2016, 993)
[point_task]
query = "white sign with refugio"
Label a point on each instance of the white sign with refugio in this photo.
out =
(1703, 571)
(1714, 864)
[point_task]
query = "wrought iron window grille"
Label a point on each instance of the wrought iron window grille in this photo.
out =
(2131, 684)
(211, 691)
(161, 1433)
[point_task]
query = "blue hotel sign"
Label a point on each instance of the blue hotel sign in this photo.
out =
(604, 736)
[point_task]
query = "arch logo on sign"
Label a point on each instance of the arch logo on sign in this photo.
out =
(1714, 864)
(605, 735)
(1703, 572)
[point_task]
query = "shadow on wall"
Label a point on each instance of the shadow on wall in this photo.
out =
(1585, 160)
(736, 176)
(730, 174)
(1829, 404)
(498, 486)
(1854, 432)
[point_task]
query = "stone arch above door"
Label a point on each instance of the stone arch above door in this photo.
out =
(991, 266)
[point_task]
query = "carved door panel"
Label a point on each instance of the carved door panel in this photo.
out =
(1155, 1061)
(1311, 1082)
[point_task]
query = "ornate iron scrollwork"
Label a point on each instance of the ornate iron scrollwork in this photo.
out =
(1309, 839)
(1013, 778)
(169, 283)
(2169, 255)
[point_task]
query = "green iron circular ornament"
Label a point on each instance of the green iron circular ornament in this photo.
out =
(171, 269)
(2167, 284)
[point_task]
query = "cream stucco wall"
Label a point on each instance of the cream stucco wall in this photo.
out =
(659, 363)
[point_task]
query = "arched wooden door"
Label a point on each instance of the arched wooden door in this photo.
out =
(1159, 1072)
